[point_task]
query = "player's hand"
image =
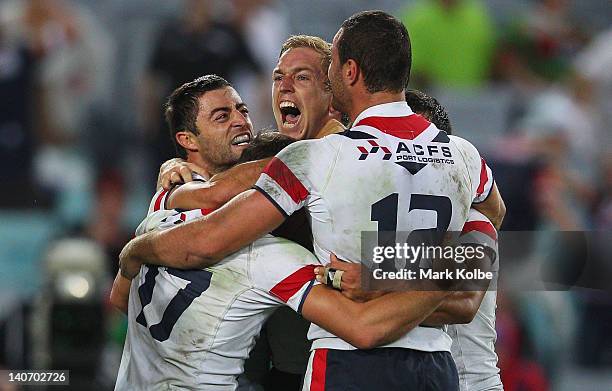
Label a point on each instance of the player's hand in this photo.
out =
(350, 285)
(128, 265)
(176, 171)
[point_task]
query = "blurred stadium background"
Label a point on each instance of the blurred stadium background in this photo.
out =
(529, 82)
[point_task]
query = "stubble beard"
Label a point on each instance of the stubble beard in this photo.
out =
(219, 161)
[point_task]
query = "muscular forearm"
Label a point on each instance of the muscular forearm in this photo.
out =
(120, 293)
(195, 195)
(391, 316)
(173, 247)
(201, 243)
(458, 308)
(377, 322)
(243, 175)
(219, 190)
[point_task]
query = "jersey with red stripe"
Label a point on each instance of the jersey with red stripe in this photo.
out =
(473, 347)
(158, 202)
(193, 329)
(392, 171)
(158, 212)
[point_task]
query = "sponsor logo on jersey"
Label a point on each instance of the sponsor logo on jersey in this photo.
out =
(420, 153)
(374, 149)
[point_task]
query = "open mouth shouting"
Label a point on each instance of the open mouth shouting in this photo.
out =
(291, 114)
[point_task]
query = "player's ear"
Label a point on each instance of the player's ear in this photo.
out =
(350, 71)
(187, 140)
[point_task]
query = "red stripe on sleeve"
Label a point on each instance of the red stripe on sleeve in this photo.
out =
(407, 127)
(483, 178)
(288, 287)
(319, 367)
(158, 201)
(481, 226)
(207, 211)
(281, 174)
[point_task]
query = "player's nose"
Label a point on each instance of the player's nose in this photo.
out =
(286, 84)
(239, 120)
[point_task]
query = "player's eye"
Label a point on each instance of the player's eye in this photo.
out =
(277, 77)
(244, 111)
(221, 117)
(302, 77)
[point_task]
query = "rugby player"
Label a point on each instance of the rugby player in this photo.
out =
(301, 100)
(315, 174)
(301, 103)
(473, 347)
(301, 87)
(194, 328)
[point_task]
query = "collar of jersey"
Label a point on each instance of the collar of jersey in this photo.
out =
(198, 177)
(393, 109)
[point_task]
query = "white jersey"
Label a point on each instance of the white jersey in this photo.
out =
(158, 202)
(193, 329)
(393, 171)
(473, 347)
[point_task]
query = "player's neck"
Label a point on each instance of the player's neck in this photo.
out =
(366, 100)
(196, 159)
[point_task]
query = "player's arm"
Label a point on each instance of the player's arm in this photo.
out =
(220, 189)
(462, 306)
(487, 198)
(278, 193)
(373, 323)
(458, 308)
(120, 293)
(493, 207)
(205, 241)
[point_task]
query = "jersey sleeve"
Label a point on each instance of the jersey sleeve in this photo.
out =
(168, 218)
(485, 182)
(285, 180)
(285, 272)
(478, 230)
(158, 214)
(158, 202)
(153, 221)
(481, 176)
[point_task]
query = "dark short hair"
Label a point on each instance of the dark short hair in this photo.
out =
(380, 45)
(430, 108)
(265, 145)
(181, 109)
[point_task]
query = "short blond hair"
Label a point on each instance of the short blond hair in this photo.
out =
(317, 44)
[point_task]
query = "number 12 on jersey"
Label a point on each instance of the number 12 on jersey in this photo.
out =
(385, 212)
